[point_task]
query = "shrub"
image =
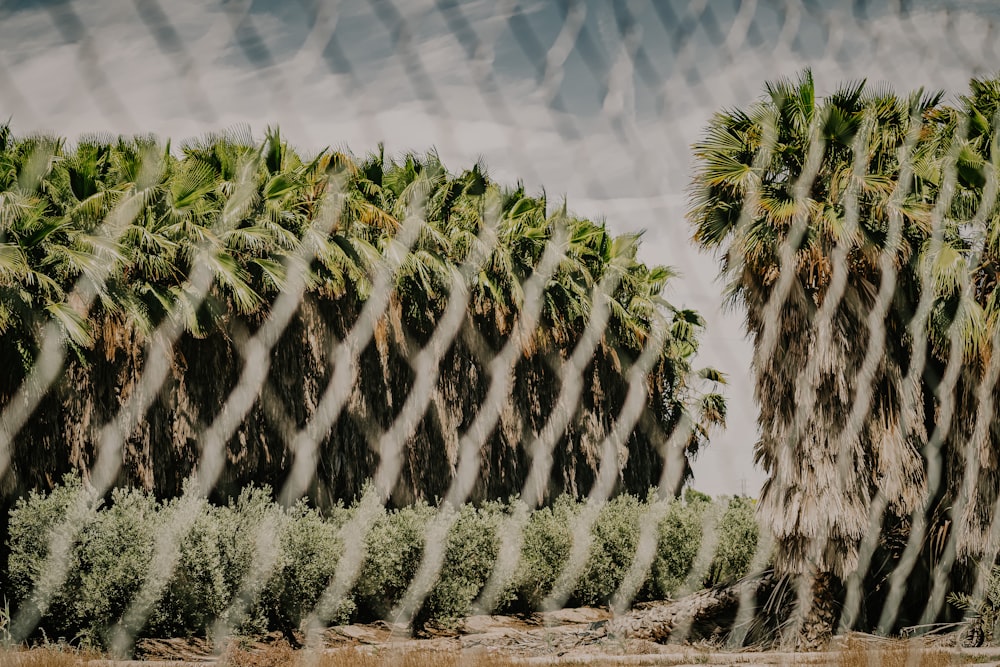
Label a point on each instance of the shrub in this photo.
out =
(394, 544)
(109, 559)
(198, 591)
(679, 541)
(547, 543)
(738, 532)
(310, 547)
(470, 554)
(111, 562)
(31, 524)
(983, 617)
(254, 566)
(615, 538)
(692, 496)
(247, 553)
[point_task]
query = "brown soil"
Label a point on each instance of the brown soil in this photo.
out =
(585, 636)
(566, 637)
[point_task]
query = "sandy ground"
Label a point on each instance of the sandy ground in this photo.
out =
(566, 637)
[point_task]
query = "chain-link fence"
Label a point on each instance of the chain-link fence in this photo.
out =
(427, 294)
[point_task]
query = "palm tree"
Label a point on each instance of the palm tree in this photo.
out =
(962, 365)
(54, 199)
(802, 197)
(980, 301)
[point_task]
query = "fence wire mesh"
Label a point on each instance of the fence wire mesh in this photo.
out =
(327, 310)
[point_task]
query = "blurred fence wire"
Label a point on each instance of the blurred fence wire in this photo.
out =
(195, 317)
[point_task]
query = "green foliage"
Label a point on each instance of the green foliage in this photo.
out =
(198, 591)
(132, 218)
(692, 495)
(394, 546)
(33, 522)
(309, 550)
(985, 615)
(242, 552)
(680, 538)
(738, 537)
(256, 566)
(547, 543)
(615, 538)
(470, 553)
(110, 563)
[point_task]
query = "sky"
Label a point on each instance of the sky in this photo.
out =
(597, 101)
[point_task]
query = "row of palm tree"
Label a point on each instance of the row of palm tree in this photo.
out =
(861, 234)
(102, 237)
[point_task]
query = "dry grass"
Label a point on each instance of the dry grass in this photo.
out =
(864, 654)
(37, 658)
(422, 659)
(281, 655)
(45, 657)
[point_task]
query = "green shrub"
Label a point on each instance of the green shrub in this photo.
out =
(470, 554)
(680, 538)
(238, 525)
(394, 544)
(738, 532)
(692, 496)
(983, 616)
(29, 531)
(112, 559)
(255, 566)
(547, 543)
(310, 547)
(615, 536)
(199, 590)
(109, 560)
(249, 550)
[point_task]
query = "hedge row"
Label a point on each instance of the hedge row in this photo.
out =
(256, 566)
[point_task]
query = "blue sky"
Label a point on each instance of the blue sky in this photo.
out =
(597, 101)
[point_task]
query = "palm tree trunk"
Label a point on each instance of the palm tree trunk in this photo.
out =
(160, 454)
(817, 621)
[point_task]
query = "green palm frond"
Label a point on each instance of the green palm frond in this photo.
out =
(236, 280)
(76, 326)
(13, 263)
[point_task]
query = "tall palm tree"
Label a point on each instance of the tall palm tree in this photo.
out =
(965, 270)
(248, 208)
(802, 197)
(962, 327)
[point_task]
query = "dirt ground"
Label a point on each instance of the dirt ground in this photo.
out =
(566, 637)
